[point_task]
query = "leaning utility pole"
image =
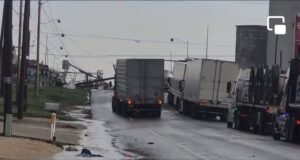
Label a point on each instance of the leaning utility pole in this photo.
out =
(7, 70)
(25, 49)
(37, 78)
(19, 46)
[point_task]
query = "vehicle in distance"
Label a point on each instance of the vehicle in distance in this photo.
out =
(257, 96)
(139, 86)
(287, 122)
(205, 88)
(175, 91)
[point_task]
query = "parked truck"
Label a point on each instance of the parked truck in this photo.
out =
(175, 91)
(257, 95)
(205, 87)
(287, 121)
(139, 86)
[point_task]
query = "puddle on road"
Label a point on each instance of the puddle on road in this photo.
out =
(99, 141)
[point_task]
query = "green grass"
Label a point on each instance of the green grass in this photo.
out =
(68, 99)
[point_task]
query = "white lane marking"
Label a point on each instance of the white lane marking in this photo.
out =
(178, 145)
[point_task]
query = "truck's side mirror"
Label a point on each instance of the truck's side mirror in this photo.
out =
(228, 88)
(181, 85)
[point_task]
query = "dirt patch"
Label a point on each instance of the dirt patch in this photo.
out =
(23, 149)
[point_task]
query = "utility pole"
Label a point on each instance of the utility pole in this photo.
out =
(1, 51)
(275, 56)
(25, 50)
(170, 61)
(7, 70)
(187, 50)
(46, 51)
(37, 78)
(19, 46)
(206, 50)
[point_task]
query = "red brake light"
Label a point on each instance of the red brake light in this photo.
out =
(297, 122)
(129, 102)
(269, 109)
(159, 101)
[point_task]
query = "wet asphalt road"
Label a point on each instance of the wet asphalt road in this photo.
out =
(174, 136)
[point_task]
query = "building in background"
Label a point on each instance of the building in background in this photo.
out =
(286, 43)
(251, 45)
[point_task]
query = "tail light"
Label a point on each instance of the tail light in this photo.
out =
(202, 103)
(297, 122)
(159, 101)
(129, 101)
(269, 109)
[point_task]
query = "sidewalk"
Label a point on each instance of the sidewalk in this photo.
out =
(25, 149)
(67, 132)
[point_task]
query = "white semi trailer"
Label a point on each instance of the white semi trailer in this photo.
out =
(139, 86)
(205, 87)
(175, 91)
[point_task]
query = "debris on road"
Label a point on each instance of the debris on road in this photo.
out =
(87, 153)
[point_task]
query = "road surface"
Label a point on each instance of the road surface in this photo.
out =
(174, 136)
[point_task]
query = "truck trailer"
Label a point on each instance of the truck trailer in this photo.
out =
(205, 88)
(287, 122)
(257, 95)
(139, 86)
(175, 91)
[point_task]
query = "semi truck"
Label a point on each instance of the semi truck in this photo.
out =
(287, 121)
(205, 88)
(139, 86)
(175, 91)
(257, 95)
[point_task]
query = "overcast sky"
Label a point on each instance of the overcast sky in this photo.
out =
(95, 30)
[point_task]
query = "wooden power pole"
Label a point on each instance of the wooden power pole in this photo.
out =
(25, 50)
(7, 67)
(19, 46)
(37, 78)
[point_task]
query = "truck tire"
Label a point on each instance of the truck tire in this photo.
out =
(261, 124)
(229, 124)
(177, 105)
(113, 105)
(170, 99)
(194, 113)
(157, 114)
(181, 106)
(118, 107)
(276, 136)
(223, 118)
(124, 110)
(240, 124)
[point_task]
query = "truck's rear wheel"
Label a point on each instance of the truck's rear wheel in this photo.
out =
(194, 113)
(276, 136)
(170, 99)
(124, 110)
(183, 107)
(229, 124)
(223, 118)
(157, 114)
(113, 105)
